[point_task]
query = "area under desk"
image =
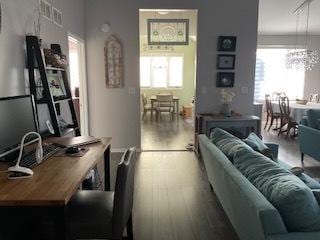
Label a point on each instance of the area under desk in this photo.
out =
(53, 184)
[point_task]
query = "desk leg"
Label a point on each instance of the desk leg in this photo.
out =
(60, 232)
(107, 158)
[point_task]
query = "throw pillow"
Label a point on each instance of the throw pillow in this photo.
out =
(294, 200)
(256, 144)
(227, 143)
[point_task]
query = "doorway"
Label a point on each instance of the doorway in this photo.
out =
(168, 56)
(78, 82)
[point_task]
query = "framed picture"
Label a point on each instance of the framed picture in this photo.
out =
(226, 61)
(168, 31)
(225, 79)
(227, 43)
(46, 10)
(57, 86)
(56, 16)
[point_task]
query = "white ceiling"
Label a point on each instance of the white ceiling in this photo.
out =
(276, 17)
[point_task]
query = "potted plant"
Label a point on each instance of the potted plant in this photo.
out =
(226, 100)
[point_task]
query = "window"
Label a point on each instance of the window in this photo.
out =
(161, 71)
(272, 75)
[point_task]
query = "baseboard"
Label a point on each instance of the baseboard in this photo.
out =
(122, 150)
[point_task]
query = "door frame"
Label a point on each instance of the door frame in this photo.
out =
(83, 88)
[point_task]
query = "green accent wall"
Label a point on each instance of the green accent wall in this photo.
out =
(187, 91)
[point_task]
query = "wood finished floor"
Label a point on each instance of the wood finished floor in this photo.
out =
(172, 196)
(173, 200)
(166, 134)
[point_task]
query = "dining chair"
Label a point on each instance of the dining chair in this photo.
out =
(314, 98)
(165, 104)
(270, 113)
(277, 95)
(285, 119)
(104, 215)
(147, 107)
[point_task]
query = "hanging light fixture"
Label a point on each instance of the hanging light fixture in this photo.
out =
(302, 59)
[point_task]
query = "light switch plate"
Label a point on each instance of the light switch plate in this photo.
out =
(203, 90)
(244, 90)
(132, 91)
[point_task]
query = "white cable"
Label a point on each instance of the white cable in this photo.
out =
(39, 155)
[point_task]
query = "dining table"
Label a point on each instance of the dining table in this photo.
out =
(153, 100)
(297, 111)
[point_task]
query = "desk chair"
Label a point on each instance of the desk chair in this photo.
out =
(104, 215)
(165, 104)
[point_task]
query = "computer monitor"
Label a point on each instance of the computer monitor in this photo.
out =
(17, 117)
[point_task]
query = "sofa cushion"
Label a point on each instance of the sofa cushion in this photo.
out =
(227, 143)
(257, 145)
(293, 199)
(313, 118)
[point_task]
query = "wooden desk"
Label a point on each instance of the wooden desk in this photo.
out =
(53, 184)
(153, 99)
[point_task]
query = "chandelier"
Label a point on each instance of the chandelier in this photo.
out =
(302, 59)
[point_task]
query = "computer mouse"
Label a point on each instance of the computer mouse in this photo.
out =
(72, 150)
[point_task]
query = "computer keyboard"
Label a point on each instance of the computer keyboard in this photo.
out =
(29, 160)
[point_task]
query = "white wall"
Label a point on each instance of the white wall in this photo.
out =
(312, 78)
(113, 112)
(17, 21)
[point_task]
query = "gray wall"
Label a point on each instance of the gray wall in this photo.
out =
(116, 113)
(17, 21)
(312, 78)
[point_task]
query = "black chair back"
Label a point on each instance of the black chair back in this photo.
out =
(284, 107)
(123, 199)
(269, 104)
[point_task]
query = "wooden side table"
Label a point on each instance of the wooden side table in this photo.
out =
(239, 125)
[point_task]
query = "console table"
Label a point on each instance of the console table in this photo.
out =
(239, 125)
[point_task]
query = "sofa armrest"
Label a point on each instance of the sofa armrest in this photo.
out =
(309, 141)
(274, 149)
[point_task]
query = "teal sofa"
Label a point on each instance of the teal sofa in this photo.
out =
(309, 135)
(251, 214)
